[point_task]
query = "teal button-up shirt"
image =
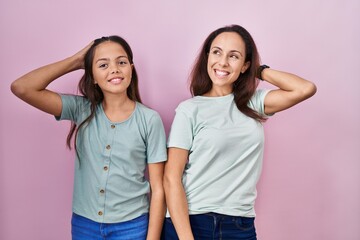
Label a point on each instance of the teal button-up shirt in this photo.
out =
(109, 184)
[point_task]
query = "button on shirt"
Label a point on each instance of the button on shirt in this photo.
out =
(109, 184)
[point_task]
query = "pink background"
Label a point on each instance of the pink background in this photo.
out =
(310, 183)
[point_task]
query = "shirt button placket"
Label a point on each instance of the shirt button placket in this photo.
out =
(105, 170)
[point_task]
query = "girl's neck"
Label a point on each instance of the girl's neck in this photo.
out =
(118, 109)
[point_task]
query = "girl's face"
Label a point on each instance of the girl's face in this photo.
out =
(226, 61)
(111, 68)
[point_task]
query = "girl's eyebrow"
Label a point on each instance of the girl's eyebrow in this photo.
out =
(219, 48)
(107, 59)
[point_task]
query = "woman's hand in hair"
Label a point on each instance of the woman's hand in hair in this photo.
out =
(292, 90)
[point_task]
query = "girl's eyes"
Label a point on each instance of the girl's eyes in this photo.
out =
(123, 62)
(105, 65)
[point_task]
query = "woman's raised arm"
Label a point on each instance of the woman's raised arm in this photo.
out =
(292, 90)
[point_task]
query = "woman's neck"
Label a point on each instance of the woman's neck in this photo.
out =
(218, 92)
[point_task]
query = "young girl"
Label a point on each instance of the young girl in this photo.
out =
(216, 140)
(115, 138)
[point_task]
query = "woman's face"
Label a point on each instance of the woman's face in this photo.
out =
(226, 61)
(111, 68)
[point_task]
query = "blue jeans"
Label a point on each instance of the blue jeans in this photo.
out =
(214, 226)
(85, 229)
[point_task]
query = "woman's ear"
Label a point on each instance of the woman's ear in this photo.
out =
(245, 66)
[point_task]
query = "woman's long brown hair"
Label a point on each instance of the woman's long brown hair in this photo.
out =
(244, 87)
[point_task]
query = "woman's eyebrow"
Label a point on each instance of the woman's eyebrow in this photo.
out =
(232, 51)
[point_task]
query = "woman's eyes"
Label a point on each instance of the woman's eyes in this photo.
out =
(231, 56)
(216, 52)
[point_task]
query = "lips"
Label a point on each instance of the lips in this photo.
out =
(221, 73)
(115, 80)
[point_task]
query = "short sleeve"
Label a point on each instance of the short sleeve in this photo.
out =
(257, 102)
(72, 107)
(181, 132)
(156, 140)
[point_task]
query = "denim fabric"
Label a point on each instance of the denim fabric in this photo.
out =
(85, 229)
(213, 226)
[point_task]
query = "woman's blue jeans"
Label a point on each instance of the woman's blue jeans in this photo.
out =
(85, 229)
(213, 226)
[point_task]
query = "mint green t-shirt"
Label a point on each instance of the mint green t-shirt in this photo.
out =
(225, 153)
(109, 184)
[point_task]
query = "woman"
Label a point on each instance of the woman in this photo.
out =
(215, 146)
(115, 137)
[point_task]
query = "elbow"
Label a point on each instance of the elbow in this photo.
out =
(309, 90)
(17, 89)
(312, 89)
(157, 192)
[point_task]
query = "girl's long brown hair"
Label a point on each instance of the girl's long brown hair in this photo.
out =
(92, 91)
(244, 87)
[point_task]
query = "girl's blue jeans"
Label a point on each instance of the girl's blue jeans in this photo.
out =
(85, 229)
(211, 226)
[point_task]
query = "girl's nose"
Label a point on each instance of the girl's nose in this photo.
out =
(114, 69)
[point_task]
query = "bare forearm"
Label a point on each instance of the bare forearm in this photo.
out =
(291, 90)
(40, 78)
(178, 207)
(157, 214)
(31, 87)
(288, 81)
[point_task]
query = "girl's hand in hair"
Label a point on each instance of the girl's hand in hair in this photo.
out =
(80, 56)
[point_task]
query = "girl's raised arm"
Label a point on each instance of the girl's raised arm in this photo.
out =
(31, 87)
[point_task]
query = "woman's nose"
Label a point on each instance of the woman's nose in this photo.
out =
(223, 61)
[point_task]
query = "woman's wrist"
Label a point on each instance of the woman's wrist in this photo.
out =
(260, 71)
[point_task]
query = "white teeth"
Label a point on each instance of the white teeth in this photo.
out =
(221, 73)
(115, 80)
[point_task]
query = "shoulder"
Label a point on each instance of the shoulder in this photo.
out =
(147, 114)
(148, 119)
(189, 105)
(146, 111)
